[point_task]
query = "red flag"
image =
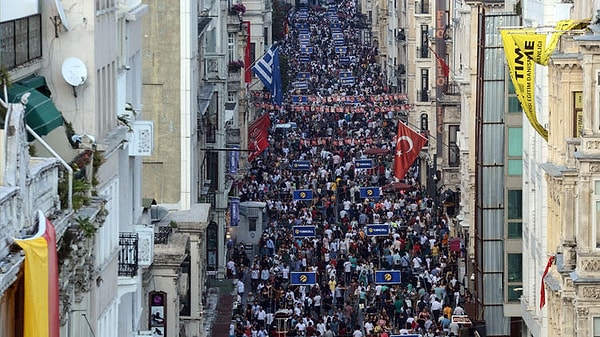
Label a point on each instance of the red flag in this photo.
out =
(443, 64)
(408, 146)
(258, 134)
(41, 306)
(543, 289)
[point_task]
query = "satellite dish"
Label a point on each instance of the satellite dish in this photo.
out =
(61, 14)
(74, 71)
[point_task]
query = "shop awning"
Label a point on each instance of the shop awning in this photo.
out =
(40, 113)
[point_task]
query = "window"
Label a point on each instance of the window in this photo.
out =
(515, 267)
(577, 113)
(515, 149)
(212, 169)
(231, 55)
(514, 106)
(515, 230)
(252, 52)
(266, 38)
(424, 122)
(232, 96)
(252, 224)
(514, 292)
(453, 153)
(596, 201)
(423, 95)
(20, 41)
(515, 204)
(424, 41)
(596, 327)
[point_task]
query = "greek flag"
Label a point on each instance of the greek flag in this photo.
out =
(267, 70)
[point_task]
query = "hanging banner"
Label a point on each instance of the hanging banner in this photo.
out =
(40, 300)
(234, 211)
(522, 69)
(233, 159)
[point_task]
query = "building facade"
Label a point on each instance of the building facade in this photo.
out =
(80, 73)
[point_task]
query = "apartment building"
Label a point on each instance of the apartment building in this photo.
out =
(561, 245)
(490, 144)
(76, 67)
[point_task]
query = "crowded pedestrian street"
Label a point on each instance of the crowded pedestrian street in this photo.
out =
(353, 242)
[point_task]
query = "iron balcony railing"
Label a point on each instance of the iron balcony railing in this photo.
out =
(128, 254)
(163, 234)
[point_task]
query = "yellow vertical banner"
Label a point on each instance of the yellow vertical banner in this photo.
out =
(40, 303)
(522, 69)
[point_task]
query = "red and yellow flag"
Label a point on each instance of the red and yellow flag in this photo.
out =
(41, 307)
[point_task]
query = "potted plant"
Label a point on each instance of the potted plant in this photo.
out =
(235, 65)
(238, 8)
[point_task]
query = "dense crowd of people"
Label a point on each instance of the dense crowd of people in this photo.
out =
(345, 300)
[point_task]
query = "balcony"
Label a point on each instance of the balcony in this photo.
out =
(162, 235)
(128, 254)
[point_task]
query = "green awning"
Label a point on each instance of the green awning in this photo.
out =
(40, 113)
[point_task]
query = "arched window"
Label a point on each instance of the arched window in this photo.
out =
(212, 242)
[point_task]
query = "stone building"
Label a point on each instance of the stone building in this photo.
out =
(80, 74)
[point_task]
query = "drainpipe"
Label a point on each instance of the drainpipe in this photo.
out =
(62, 161)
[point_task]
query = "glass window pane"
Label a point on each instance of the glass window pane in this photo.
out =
(514, 292)
(515, 230)
(515, 204)
(597, 187)
(515, 142)
(515, 267)
(515, 167)
(596, 326)
(511, 88)
(597, 221)
(513, 105)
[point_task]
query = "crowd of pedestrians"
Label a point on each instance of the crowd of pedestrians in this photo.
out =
(345, 300)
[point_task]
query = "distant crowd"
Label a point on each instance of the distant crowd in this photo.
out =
(346, 300)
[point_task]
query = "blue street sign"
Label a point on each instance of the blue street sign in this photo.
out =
(348, 80)
(378, 230)
(306, 50)
(341, 50)
(304, 59)
(387, 277)
(369, 192)
(363, 164)
(300, 84)
(303, 75)
(303, 231)
(344, 59)
(303, 195)
(303, 278)
(299, 99)
(301, 165)
(339, 42)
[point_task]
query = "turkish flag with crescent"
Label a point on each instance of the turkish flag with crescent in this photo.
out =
(258, 136)
(408, 145)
